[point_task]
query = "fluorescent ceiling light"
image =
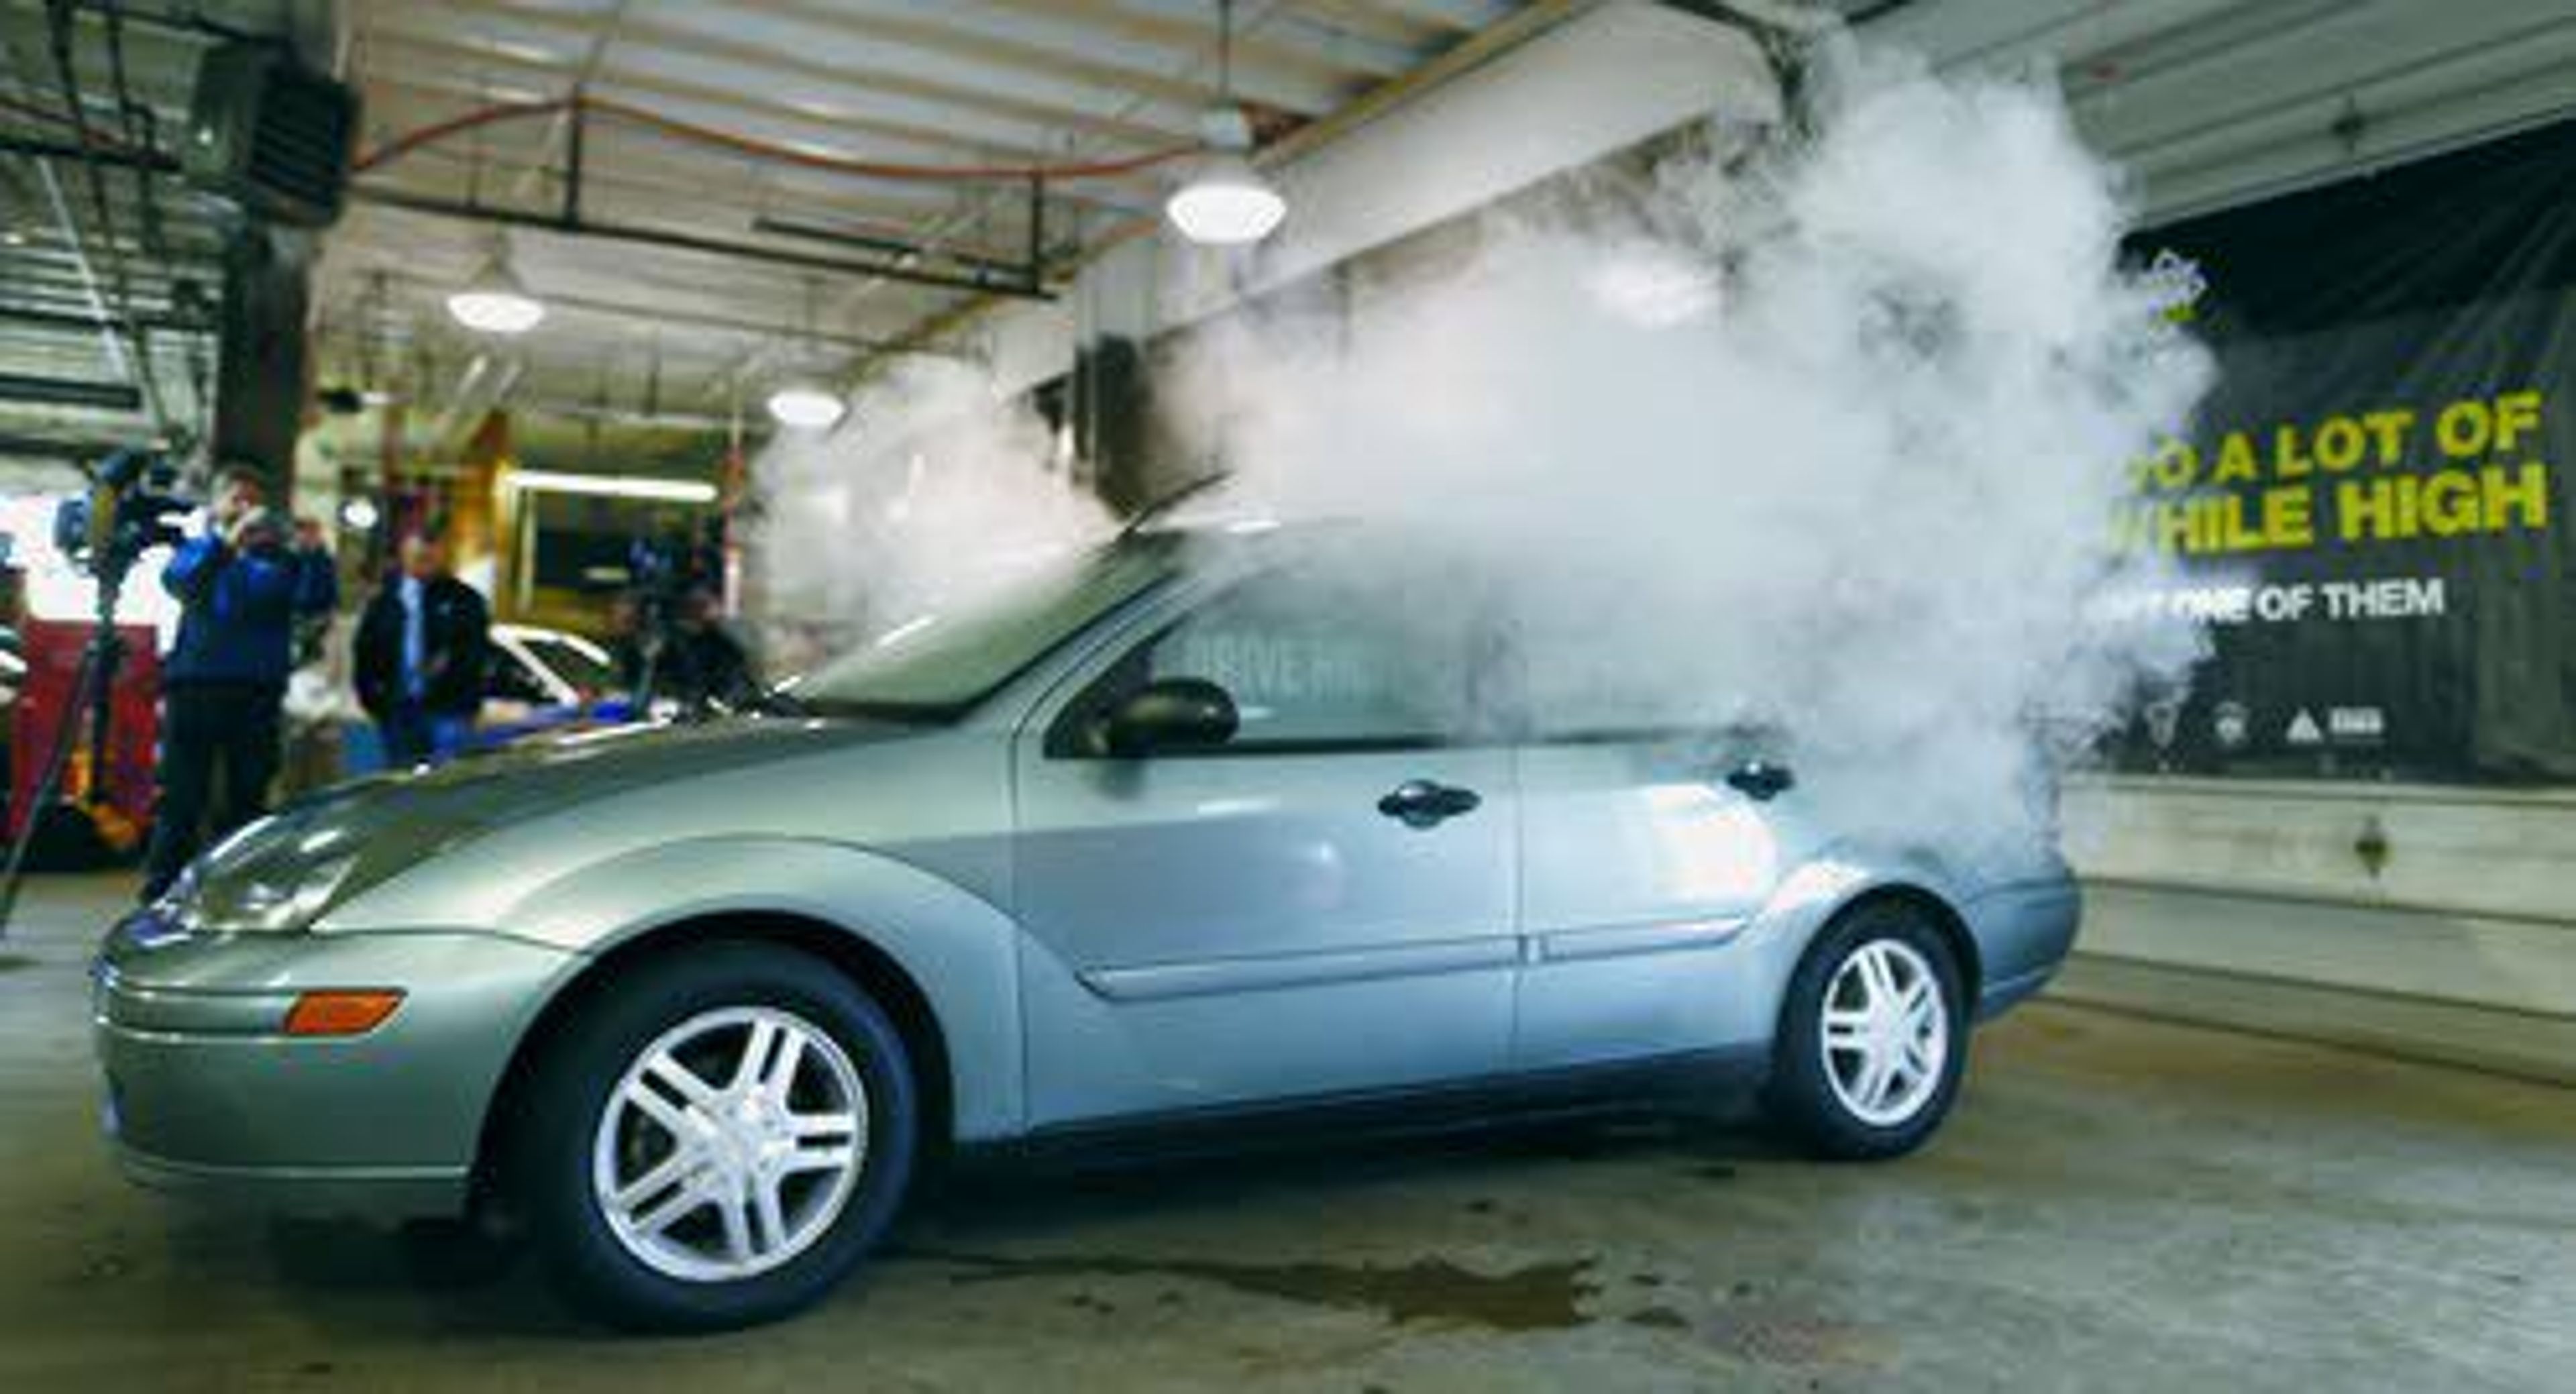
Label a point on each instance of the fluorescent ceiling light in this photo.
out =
(621, 486)
(495, 303)
(807, 407)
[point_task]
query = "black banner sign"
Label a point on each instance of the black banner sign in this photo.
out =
(2372, 508)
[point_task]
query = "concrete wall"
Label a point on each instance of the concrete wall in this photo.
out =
(2257, 903)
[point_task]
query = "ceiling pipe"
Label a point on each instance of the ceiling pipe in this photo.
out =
(65, 448)
(69, 392)
(1021, 289)
(899, 248)
(92, 324)
(110, 156)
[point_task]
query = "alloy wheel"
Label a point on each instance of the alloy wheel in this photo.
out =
(730, 1145)
(1885, 1032)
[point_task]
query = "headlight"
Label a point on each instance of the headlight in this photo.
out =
(270, 896)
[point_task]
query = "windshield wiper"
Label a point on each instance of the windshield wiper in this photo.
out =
(1162, 508)
(774, 701)
(863, 709)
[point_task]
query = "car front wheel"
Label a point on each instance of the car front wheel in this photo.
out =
(1873, 1037)
(717, 1139)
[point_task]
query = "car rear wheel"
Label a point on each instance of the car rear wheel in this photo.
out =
(717, 1139)
(1873, 1036)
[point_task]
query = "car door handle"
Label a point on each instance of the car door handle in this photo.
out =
(1761, 780)
(1421, 803)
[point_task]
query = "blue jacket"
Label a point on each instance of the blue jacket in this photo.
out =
(238, 610)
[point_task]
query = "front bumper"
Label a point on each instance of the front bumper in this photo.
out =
(206, 1095)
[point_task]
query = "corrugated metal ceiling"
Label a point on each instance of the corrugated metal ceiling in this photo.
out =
(643, 329)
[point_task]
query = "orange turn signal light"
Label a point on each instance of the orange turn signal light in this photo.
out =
(341, 1013)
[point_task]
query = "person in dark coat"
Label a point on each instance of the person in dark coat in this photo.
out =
(241, 588)
(422, 655)
(710, 669)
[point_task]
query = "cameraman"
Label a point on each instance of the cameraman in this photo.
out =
(241, 589)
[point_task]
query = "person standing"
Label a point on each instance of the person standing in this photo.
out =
(423, 651)
(241, 588)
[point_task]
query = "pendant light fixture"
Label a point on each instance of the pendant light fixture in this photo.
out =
(1225, 202)
(805, 403)
(806, 406)
(495, 302)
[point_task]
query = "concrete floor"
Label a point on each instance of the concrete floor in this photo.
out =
(2118, 1205)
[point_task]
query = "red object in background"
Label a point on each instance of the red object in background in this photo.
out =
(53, 652)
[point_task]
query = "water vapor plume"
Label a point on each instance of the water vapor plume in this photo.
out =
(934, 487)
(1827, 438)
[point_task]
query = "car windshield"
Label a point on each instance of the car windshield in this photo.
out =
(945, 660)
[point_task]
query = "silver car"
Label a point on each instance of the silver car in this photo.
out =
(1174, 836)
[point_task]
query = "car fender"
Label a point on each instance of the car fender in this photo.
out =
(1822, 887)
(959, 949)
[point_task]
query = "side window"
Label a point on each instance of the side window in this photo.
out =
(1314, 659)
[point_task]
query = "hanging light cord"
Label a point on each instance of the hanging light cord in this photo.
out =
(1225, 51)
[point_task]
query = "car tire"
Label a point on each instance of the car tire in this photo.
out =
(1824, 1088)
(800, 1133)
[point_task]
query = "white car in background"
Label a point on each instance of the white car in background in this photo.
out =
(545, 678)
(539, 680)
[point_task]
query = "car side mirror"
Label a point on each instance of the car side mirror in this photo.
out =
(1170, 715)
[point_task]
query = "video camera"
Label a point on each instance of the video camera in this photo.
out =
(131, 507)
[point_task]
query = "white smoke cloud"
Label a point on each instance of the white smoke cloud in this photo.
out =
(933, 488)
(1828, 440)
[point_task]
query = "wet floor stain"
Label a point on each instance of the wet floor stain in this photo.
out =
(1537, 1297)
(12, 963)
